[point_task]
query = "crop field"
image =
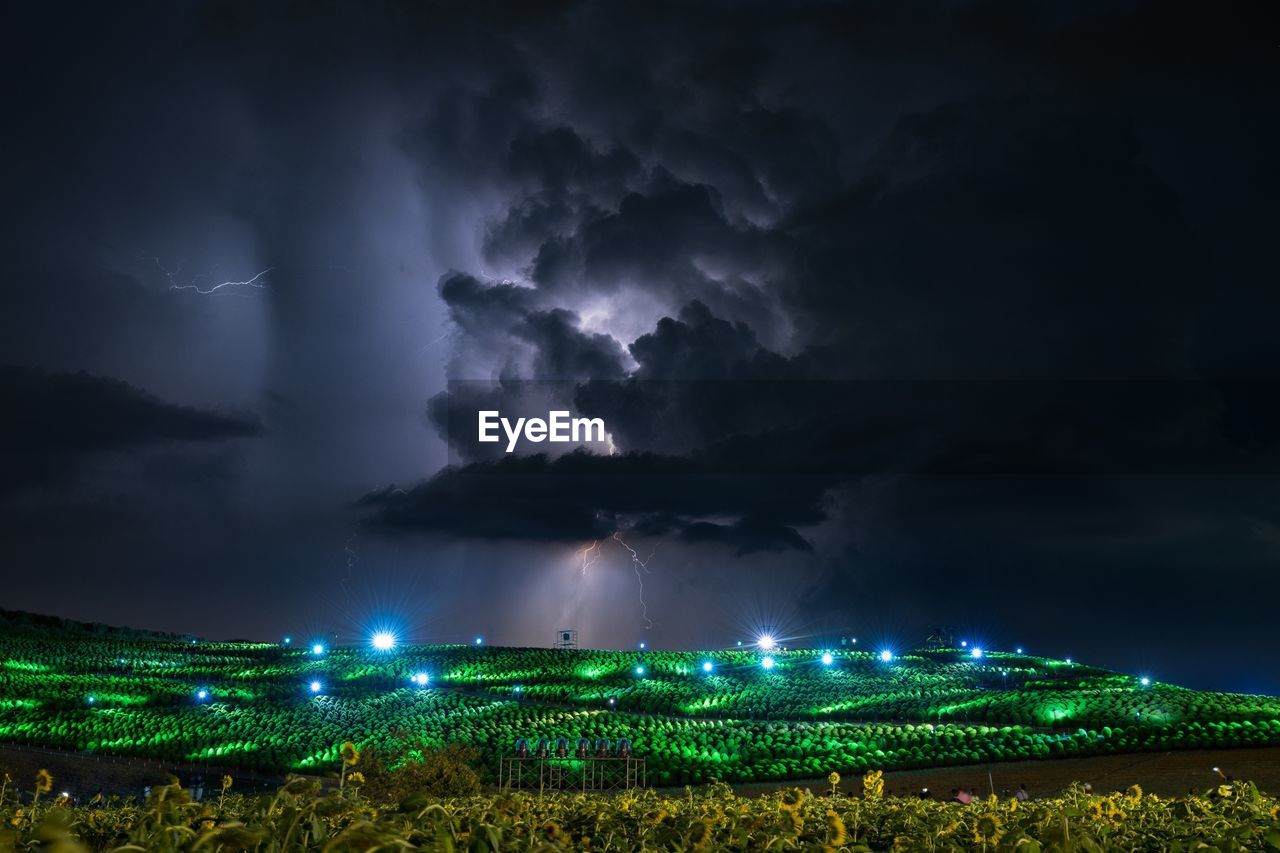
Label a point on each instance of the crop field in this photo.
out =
(695, 716)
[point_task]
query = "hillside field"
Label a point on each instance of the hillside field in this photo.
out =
(695, 716)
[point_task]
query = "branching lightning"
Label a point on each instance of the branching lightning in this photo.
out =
(256, 282)
(589, 562)
(199, 283)
(638, 564)
(203, 283)
(352, 558)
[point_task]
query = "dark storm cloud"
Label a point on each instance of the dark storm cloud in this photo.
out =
(54, 421)
(581, 496)
(673, 212)
(1014, 239)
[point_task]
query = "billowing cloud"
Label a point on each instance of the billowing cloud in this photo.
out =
(55, 421)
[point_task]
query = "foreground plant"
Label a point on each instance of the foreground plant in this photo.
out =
(306, 815)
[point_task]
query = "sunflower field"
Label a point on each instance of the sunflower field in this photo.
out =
(304, 815)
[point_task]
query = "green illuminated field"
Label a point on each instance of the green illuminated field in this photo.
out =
(274, 709)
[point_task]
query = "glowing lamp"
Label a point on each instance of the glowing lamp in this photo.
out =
(384, 641)
(827, 659)
(1068, 661)
(767, 662)
(964, 644)
(706, 666)
(975, 653)
(422, 679)
(1018, 650)
(639, 670)
(642, 645)
(767, 642)
(479, 641)
(317, 649)
(886, 655)
(202, 694)
(315, 687)
(92, 700)
(1144, 681)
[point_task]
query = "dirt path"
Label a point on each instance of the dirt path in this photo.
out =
(1165, 773)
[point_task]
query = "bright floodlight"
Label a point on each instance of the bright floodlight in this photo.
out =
(1068, 660)
(639, 670)
(288, 640)
(766, 662)
(317, 649)
(964, 644)
(1144, 681)
(384, 641)
(767, 642)
(92, 700)
(315, 687)
(886, 656)
(479, 641)
(202, 694)
(739, 642)
(642, 645)
(706, 666)
(827, 659)
(1018, 650)
(422, 679)
(611, 700)
(976, 652)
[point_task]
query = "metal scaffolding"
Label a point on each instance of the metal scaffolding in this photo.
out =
(552, 773)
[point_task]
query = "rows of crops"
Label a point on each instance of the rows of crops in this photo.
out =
(695, 716)
(302, 816)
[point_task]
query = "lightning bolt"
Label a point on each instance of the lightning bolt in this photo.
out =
(586, 564)
(255, 282)
(352, 558)
(179, 282)
(638, 564)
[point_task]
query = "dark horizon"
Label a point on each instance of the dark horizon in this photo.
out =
(953, 314)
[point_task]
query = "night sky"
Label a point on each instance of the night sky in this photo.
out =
(898, 315)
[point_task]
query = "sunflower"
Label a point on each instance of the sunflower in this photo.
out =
(350, 755)
(988, 829)
(836, 833)
(44, 781)
(792, 800)
(226, 783)
(873, 784)
(356, 778)
(699, 835)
